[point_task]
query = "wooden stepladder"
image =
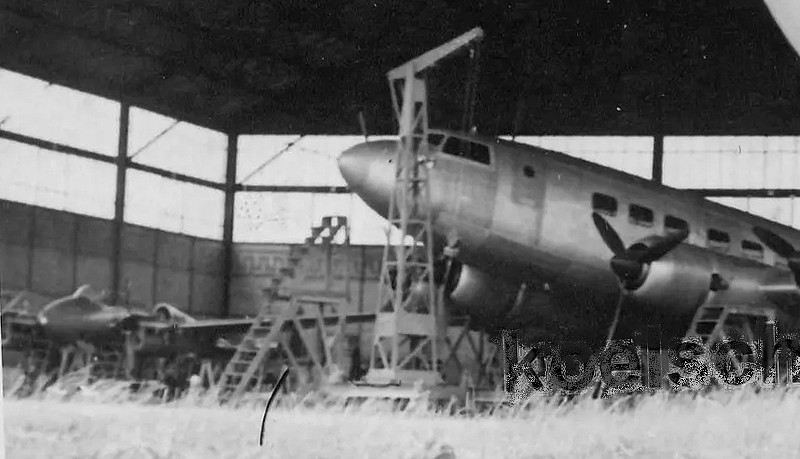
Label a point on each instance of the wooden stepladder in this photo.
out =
(717, 323)
(255, 345)
(296, 312)
(34, 365)
(325, 317)
(711, 319)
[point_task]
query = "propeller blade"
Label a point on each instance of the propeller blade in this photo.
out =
(610, 237)
(624, 265)
(628, 263)
(663, 246)
(776, 243)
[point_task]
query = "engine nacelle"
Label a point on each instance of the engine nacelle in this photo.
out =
(683, 280)
(680, 279)
(781, 288)
(480, 295)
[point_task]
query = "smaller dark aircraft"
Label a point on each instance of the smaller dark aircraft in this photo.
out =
(83, 320)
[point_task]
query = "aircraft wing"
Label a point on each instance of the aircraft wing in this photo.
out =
(220, 325)
(236, 324)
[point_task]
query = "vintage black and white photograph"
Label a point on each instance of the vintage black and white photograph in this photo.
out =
(400, 229)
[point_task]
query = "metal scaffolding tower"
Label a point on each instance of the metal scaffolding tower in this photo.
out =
(408, 315)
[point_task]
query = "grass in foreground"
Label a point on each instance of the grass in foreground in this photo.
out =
(721, 424)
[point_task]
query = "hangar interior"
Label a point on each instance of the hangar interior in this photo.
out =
(59, 190)
(147, 150)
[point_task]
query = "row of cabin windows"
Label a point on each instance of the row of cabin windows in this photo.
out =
(642, 216)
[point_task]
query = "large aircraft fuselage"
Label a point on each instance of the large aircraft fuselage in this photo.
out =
(524, 214)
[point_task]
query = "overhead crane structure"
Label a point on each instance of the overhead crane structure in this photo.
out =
(410, 337)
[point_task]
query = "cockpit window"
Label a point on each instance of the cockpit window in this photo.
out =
(435, 139)
(467, 150)
(86, 305)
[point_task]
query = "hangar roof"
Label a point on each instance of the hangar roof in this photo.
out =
(303, 66)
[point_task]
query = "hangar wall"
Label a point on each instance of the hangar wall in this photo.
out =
(52, 252)
(256, 264)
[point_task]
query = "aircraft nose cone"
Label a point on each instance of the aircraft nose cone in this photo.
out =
(368, 170)
(354, 165)
(42, 319)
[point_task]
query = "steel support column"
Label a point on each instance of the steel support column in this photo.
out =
(227, 228)
(119, 203)
(658, 158)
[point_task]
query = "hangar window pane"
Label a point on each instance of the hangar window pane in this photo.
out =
(640, 215)
(56, 180)
(468, 150)
(604, 203)
(38, 109)
(675, 223)
(288, 217)
(157, 202)
(732, 161)
(162, 142)
(272, 217)
(284, 159)
(752, 249)
(781, 210)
